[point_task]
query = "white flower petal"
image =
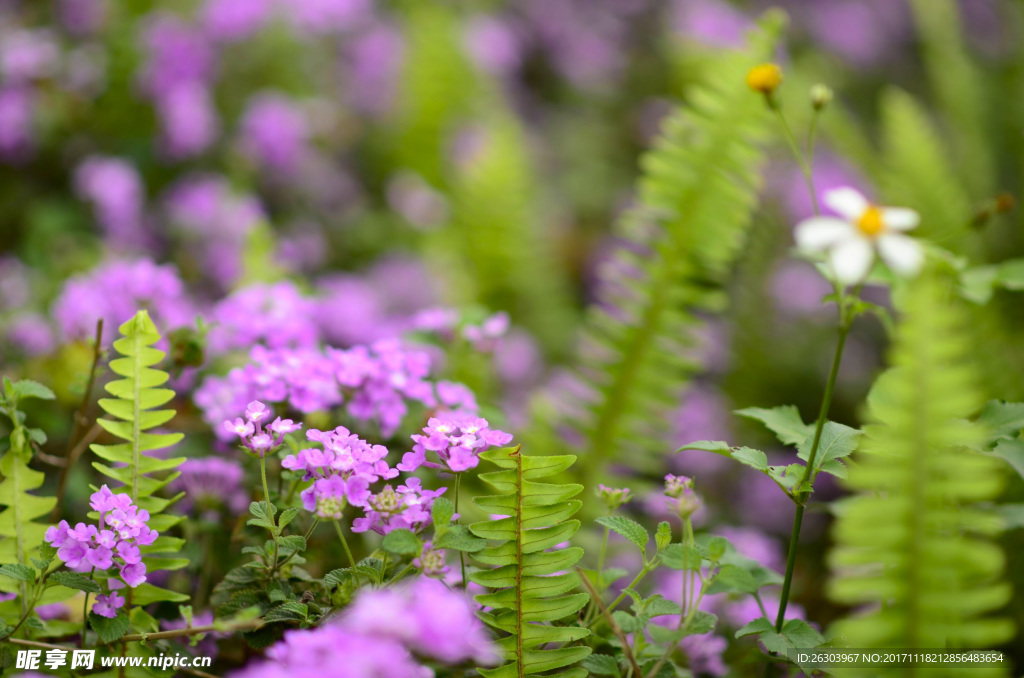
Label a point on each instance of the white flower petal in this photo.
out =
(851, 260)
(847, 202)
(817, 234)
(901, 253)
(900, 218)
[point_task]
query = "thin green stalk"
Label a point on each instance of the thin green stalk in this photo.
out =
(462, 555)
(348, 551)
(805, 168)
(632, 585)
(270, 514)
(592, 612)
(798, 517)
(85, 613)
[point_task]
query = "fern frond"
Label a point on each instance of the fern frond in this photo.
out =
(960, 90)
(527, 594)
(918, 172)
(504, 247)
(913, 541)
(21, 533)
(436, 85)
(699, 187)
(136, 395)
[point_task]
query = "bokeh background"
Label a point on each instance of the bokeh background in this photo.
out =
(305, 172)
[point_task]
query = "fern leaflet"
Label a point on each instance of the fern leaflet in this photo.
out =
(528, 595)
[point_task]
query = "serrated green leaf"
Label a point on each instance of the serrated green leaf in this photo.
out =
(625, 527)
(784, 421)
(601, 665)
(74, 580)
(108, 630)
(27, 388)
(759, 625)
(402, 542)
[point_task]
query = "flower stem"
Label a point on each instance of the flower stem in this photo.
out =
(462, 555)
(85, 613)
(805, 167)
(270, 510)
(348, 551)
(826, 402)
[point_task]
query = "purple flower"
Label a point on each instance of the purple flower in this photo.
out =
(704, 654)
(457, 441)
(712, 22)
(31, 334)
(276, 315)
(212, 482)
(115, 542)
(251, 432)
(325, 16)
(432, 561)
(234, 20)
(17, 128)
(407, 508)
(176, 54)
(114, 291)
(108, 605)
(494, 44)
(188, 119)
(483, 337)
(27, 55)
(375, 58)
(115, 189)
(82, 17)
(275, 132)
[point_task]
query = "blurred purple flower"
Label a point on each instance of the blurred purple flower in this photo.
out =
(517, 359)
(30, 333)
(17, 113)
(81, 17)
(27, 55)
(234, 20)
(416, 200)
(114, 291)
(209, 484)
(277, 316)
(494, 44)
(188, 119)
(325, 16)
(374, 58)
(702, 415)
(176, 54)
(712, 22)
(756, 545)
(275, 131)
(115, 189)
(15, 283)
(865, 32)
(704, 654)
(798, 288)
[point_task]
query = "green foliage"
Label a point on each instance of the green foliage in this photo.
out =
(136, 395)
(507, 249)
(699, 187)
(911, 543)
(20, 531)
(918, 171)
(528, 599)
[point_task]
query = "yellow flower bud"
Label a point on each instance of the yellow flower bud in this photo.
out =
(764, 78)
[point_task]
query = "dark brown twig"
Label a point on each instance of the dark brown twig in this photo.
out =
(611, 623)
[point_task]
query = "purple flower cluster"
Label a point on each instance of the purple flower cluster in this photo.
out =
(381, 635)
(457, 439)
(679, 490)
(342, 471)
(376, 383)
(254, 436)
(275, 316)
(407, 508)
(115, 189)
(116, 540)
(114, 291)
(275, 132)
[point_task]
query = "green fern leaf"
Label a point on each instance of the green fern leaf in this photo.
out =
(136, 395)
(699, 188)
(528, 595)
(913, 542)
(918, 172)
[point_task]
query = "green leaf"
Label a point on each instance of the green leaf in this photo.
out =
(74, 580)
(441, 513)
(19, 572)
(681, 557)
(402, 542)
(287, 516)
(759, 625)
(601, 665)
(109, 629)
(702, 622)
(458, 538)
(1011, 451)
(801, 634)
(775, 642)
(837, 441)
(294, 542)
(625, 527)
(1002, 419)
(731, 578)
(26, 388)
(784, 421)
(287, 611)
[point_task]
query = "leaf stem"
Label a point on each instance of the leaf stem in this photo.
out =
(596, 597)
(636, 580)
(85, 613)
(270, 510)
(348, 551)
(805, 166)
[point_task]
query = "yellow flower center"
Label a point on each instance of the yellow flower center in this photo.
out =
(871, 222)
(765, 78)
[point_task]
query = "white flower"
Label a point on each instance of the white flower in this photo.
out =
(850, 242)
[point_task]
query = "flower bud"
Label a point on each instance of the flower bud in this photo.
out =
(613, 497)
(764, 78)
(663, 537)
(821, 96)
(680, 490)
